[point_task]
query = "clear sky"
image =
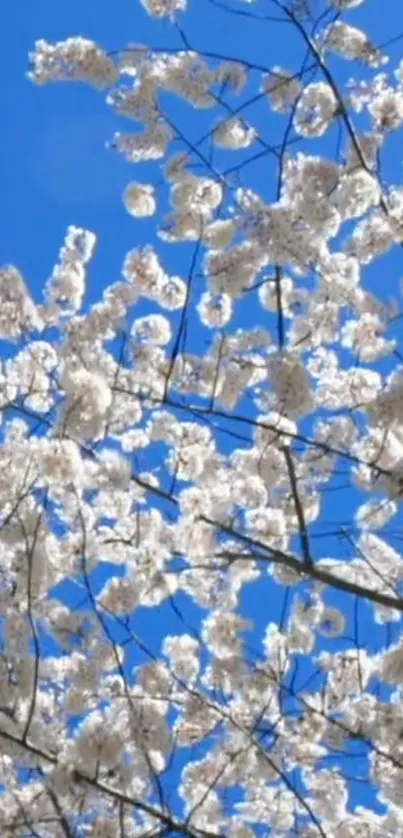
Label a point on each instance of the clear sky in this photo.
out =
(55, 169)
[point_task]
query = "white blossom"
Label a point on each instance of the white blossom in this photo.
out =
(364, 338)
(215, 311)
(139, 200)
(66, 286)
(315, 110)
(199, 195)
(183, 655)
(375, 514)
(164, 8)
(232, 74)
(386, 110)
(392, 665)
(356, 193)
(154, 330)
(18, 311)
(75, 59)
(234, 134)
(283, 89)
(291, 386)
(351, 43)
(151, 144)
(345, 4)
(220, 633)
(60, 461)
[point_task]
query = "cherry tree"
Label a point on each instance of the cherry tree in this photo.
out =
(161, 454)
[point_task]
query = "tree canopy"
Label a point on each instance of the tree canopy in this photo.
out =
(201, 472)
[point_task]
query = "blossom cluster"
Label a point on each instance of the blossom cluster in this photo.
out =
(179, 447)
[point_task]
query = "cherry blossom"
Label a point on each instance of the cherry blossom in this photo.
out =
(139, 200)
(201, 467)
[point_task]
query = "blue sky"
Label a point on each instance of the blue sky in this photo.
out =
(55, 169)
